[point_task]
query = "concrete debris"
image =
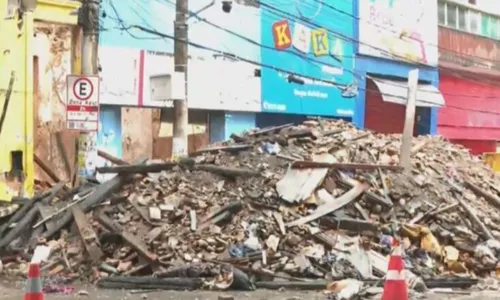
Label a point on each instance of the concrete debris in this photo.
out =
(314, 206)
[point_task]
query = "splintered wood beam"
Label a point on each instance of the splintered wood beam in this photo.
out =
(345, 166)
(137, 169)
(134, 242)
(88, 235)
(111, 158)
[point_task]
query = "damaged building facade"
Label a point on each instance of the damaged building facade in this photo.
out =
(469, 34)
(39, 48)
(395, 38)
(276, 71)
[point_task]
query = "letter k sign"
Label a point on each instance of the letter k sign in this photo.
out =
(320, 42)
(282, 35)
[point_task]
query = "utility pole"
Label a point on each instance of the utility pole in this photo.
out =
(405, 159)
(88, 19)
(180, 134)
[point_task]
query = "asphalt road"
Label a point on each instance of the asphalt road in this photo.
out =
(12, 293)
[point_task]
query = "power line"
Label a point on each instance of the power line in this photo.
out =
(478, 80)
(152, 31)
(249, 40)
(404, 59)
(163, 35)
(453, 73)
(224, 53)
(460, 54)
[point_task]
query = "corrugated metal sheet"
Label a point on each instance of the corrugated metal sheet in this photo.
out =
(378, 112)
(469, 45)
(396, 92)
(472, 110)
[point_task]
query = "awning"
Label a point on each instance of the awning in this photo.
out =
(397, 92)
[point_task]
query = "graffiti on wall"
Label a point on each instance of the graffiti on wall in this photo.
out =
(399, 29)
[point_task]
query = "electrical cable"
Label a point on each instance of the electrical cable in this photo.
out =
(459, 54)
(256, 43)
(454, 73)
(357, 75)
(277, 12)
(127, 28)
(8, 94)
(154, 32)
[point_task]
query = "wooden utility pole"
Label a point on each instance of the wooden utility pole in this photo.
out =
(180, 139)
(405, 159)
(88, 19)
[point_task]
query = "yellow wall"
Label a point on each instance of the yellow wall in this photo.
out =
(16, 55)
(17, 132)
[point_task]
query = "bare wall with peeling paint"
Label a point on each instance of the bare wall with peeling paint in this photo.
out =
(53, 56)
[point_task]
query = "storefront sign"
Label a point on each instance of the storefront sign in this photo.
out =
(404, 30)
(302, 58)
(131, 66)
(127, 77)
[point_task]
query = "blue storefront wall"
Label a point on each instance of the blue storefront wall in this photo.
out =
(223, 124)
(109, 137)
(394, 69)
(298, 40)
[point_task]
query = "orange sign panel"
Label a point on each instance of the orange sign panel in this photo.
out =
(282, 35)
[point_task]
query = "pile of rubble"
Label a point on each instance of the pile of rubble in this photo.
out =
(283, 207)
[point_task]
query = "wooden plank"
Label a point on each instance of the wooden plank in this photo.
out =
(88, 235)
(405, 159)
(46, 211)
(345, 166)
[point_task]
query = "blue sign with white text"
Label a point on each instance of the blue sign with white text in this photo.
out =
(308, 46)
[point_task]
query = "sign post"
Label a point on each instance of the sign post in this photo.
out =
(82, 114)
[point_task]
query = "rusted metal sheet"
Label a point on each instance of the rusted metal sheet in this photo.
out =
(145, 132)
(477, 51)
(162, 147)
(198, 136)
(54, 56)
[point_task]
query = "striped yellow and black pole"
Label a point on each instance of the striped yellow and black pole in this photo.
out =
(34, 288)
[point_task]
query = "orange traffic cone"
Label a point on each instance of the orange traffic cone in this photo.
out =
(395, 284)
(34, 283)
